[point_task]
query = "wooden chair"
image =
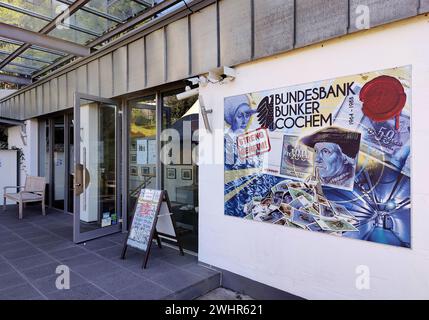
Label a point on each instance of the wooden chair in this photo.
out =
(33, 191)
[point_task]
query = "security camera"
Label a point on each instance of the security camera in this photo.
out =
(188, 93)
(222, 73)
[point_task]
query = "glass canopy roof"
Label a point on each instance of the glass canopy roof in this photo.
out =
(86, 24)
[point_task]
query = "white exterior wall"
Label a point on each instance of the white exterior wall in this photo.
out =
(30, 164)
(312, 265)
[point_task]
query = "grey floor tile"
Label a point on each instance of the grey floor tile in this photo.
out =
(48, 284)
(179, 260)
(117, 281)
(96, 270)
(31, 261)
(5, 268)
(29, 234)
(68, 252)
(41, 271)
(55, 246)
(11, 279)
(21, 292)
(8, 237)
(20, 244)
(44, 239)
(84, 291)
(112, 252)
(200, 270)
(98, 244)
(144, 291)
(20, 252)
(83, 259)
(176, 280)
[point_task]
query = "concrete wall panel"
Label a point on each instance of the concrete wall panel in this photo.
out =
(155, 58)
(274, 23)
(177, 50)
(235, 20)
(136, 65)
(204, 40)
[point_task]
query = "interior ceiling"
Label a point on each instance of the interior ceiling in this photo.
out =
(75, 22)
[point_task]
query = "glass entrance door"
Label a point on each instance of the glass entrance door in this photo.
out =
(96, 146)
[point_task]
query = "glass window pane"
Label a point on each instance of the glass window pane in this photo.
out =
(17, 69)
(59, 163)
(180, 175)
(41, 55)
(71, 35)
(21, 20)
(48, 8)
(91, 22)
(44, 154)
(122, 9)
(35, 65)
(142, 147)
(6, 47)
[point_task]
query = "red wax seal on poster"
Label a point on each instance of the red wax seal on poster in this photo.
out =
(383, 99)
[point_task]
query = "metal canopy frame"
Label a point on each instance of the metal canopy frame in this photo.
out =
(61, 51)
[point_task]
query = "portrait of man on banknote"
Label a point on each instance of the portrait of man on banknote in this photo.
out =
(335, 156)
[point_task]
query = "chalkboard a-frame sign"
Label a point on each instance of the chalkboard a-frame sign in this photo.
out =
(143, 226)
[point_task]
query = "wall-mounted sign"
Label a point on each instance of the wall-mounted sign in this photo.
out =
(141, 151)
(146, 151)
(331, 156)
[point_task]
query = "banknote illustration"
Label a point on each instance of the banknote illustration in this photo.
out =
(297, 160)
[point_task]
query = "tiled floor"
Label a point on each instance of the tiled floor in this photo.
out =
(31, 249)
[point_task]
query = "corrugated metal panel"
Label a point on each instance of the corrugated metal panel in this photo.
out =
(33, 102)
(136, 65)
(120, 71)
(235, 20)
(320, 20)
(24, 103)
(177, 50)
(82, 80)
(424, 6)
(155, 58)
(274, 24)
(27, 105)
(11, 106)
(3, 108)
(20, 110)
(54, 95)
(204, 40)
(71, 87)
(94, 78)
(382, 11)
(106, 76)
(62, 92)
(46, 97)
(39, 100)
(13, 103)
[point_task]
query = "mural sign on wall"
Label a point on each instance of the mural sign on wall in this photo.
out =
(331, 156)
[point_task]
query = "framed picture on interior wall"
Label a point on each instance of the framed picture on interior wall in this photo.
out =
(145, 170)
(171, 173)
(186, 174)
(134, 171)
